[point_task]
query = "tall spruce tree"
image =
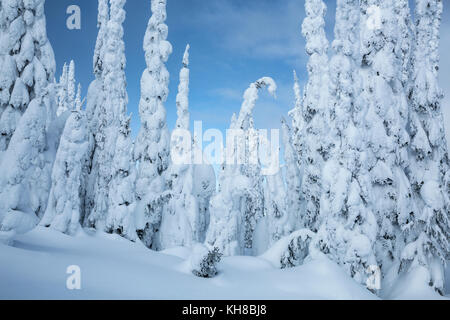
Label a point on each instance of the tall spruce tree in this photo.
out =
(349, 230)
(428, 229)
(315, 110)
(152, 147)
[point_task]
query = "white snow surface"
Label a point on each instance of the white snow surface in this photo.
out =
(113, 268)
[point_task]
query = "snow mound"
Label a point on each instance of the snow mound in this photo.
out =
(112, 268)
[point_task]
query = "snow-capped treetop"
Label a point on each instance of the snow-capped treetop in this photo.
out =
(250, 97)
(346, 30)
(66, 97)
(78, 101)
(183, 94)
(186, 56)
(115, 61)
(313, 27)
(71, 84)
(102, 22)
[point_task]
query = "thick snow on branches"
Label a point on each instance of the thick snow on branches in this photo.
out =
(152, 147)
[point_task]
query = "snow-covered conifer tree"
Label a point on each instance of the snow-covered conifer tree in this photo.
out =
(109, 111)
(152, 147)
(61, 91)
(315, 110)
(65, 206)
(24, 175)
(275, 205)
(78, 101)
(180, 225)
(239, 203)
(428, 229)
(26, 92)
(65, 93)
(122, 200)
(386, 120)
(293, 179)
(349, 228)
(27, 62)
(95, 98)
(298, 124)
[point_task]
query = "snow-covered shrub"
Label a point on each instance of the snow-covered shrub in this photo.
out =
(203, 262)
(291, 250)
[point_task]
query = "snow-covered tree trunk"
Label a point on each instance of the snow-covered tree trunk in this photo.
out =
(65, 206)
(152, 147)
(27, 62)
(315, 110)
(239, 204)
(428, 229)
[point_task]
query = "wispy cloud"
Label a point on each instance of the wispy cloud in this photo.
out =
(257, 29)
(228, 93)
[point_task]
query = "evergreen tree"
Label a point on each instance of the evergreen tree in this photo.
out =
(315, 110)
(180, 225)
(24, 175)
(293, 180)
(65, 90)
(122, 201)
(95, 98)
(276, 211)
(26, 60)
(428, 229)
(239, 203)
(65, 206)
(349, 229)
(386, 119)
(110, 110)
(298, 124)
(152, 147)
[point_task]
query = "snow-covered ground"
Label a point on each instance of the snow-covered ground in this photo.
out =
(113, 268)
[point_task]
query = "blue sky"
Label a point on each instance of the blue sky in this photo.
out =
(233, 43)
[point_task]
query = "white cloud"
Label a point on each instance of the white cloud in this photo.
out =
(228, 93)
(258, 29)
